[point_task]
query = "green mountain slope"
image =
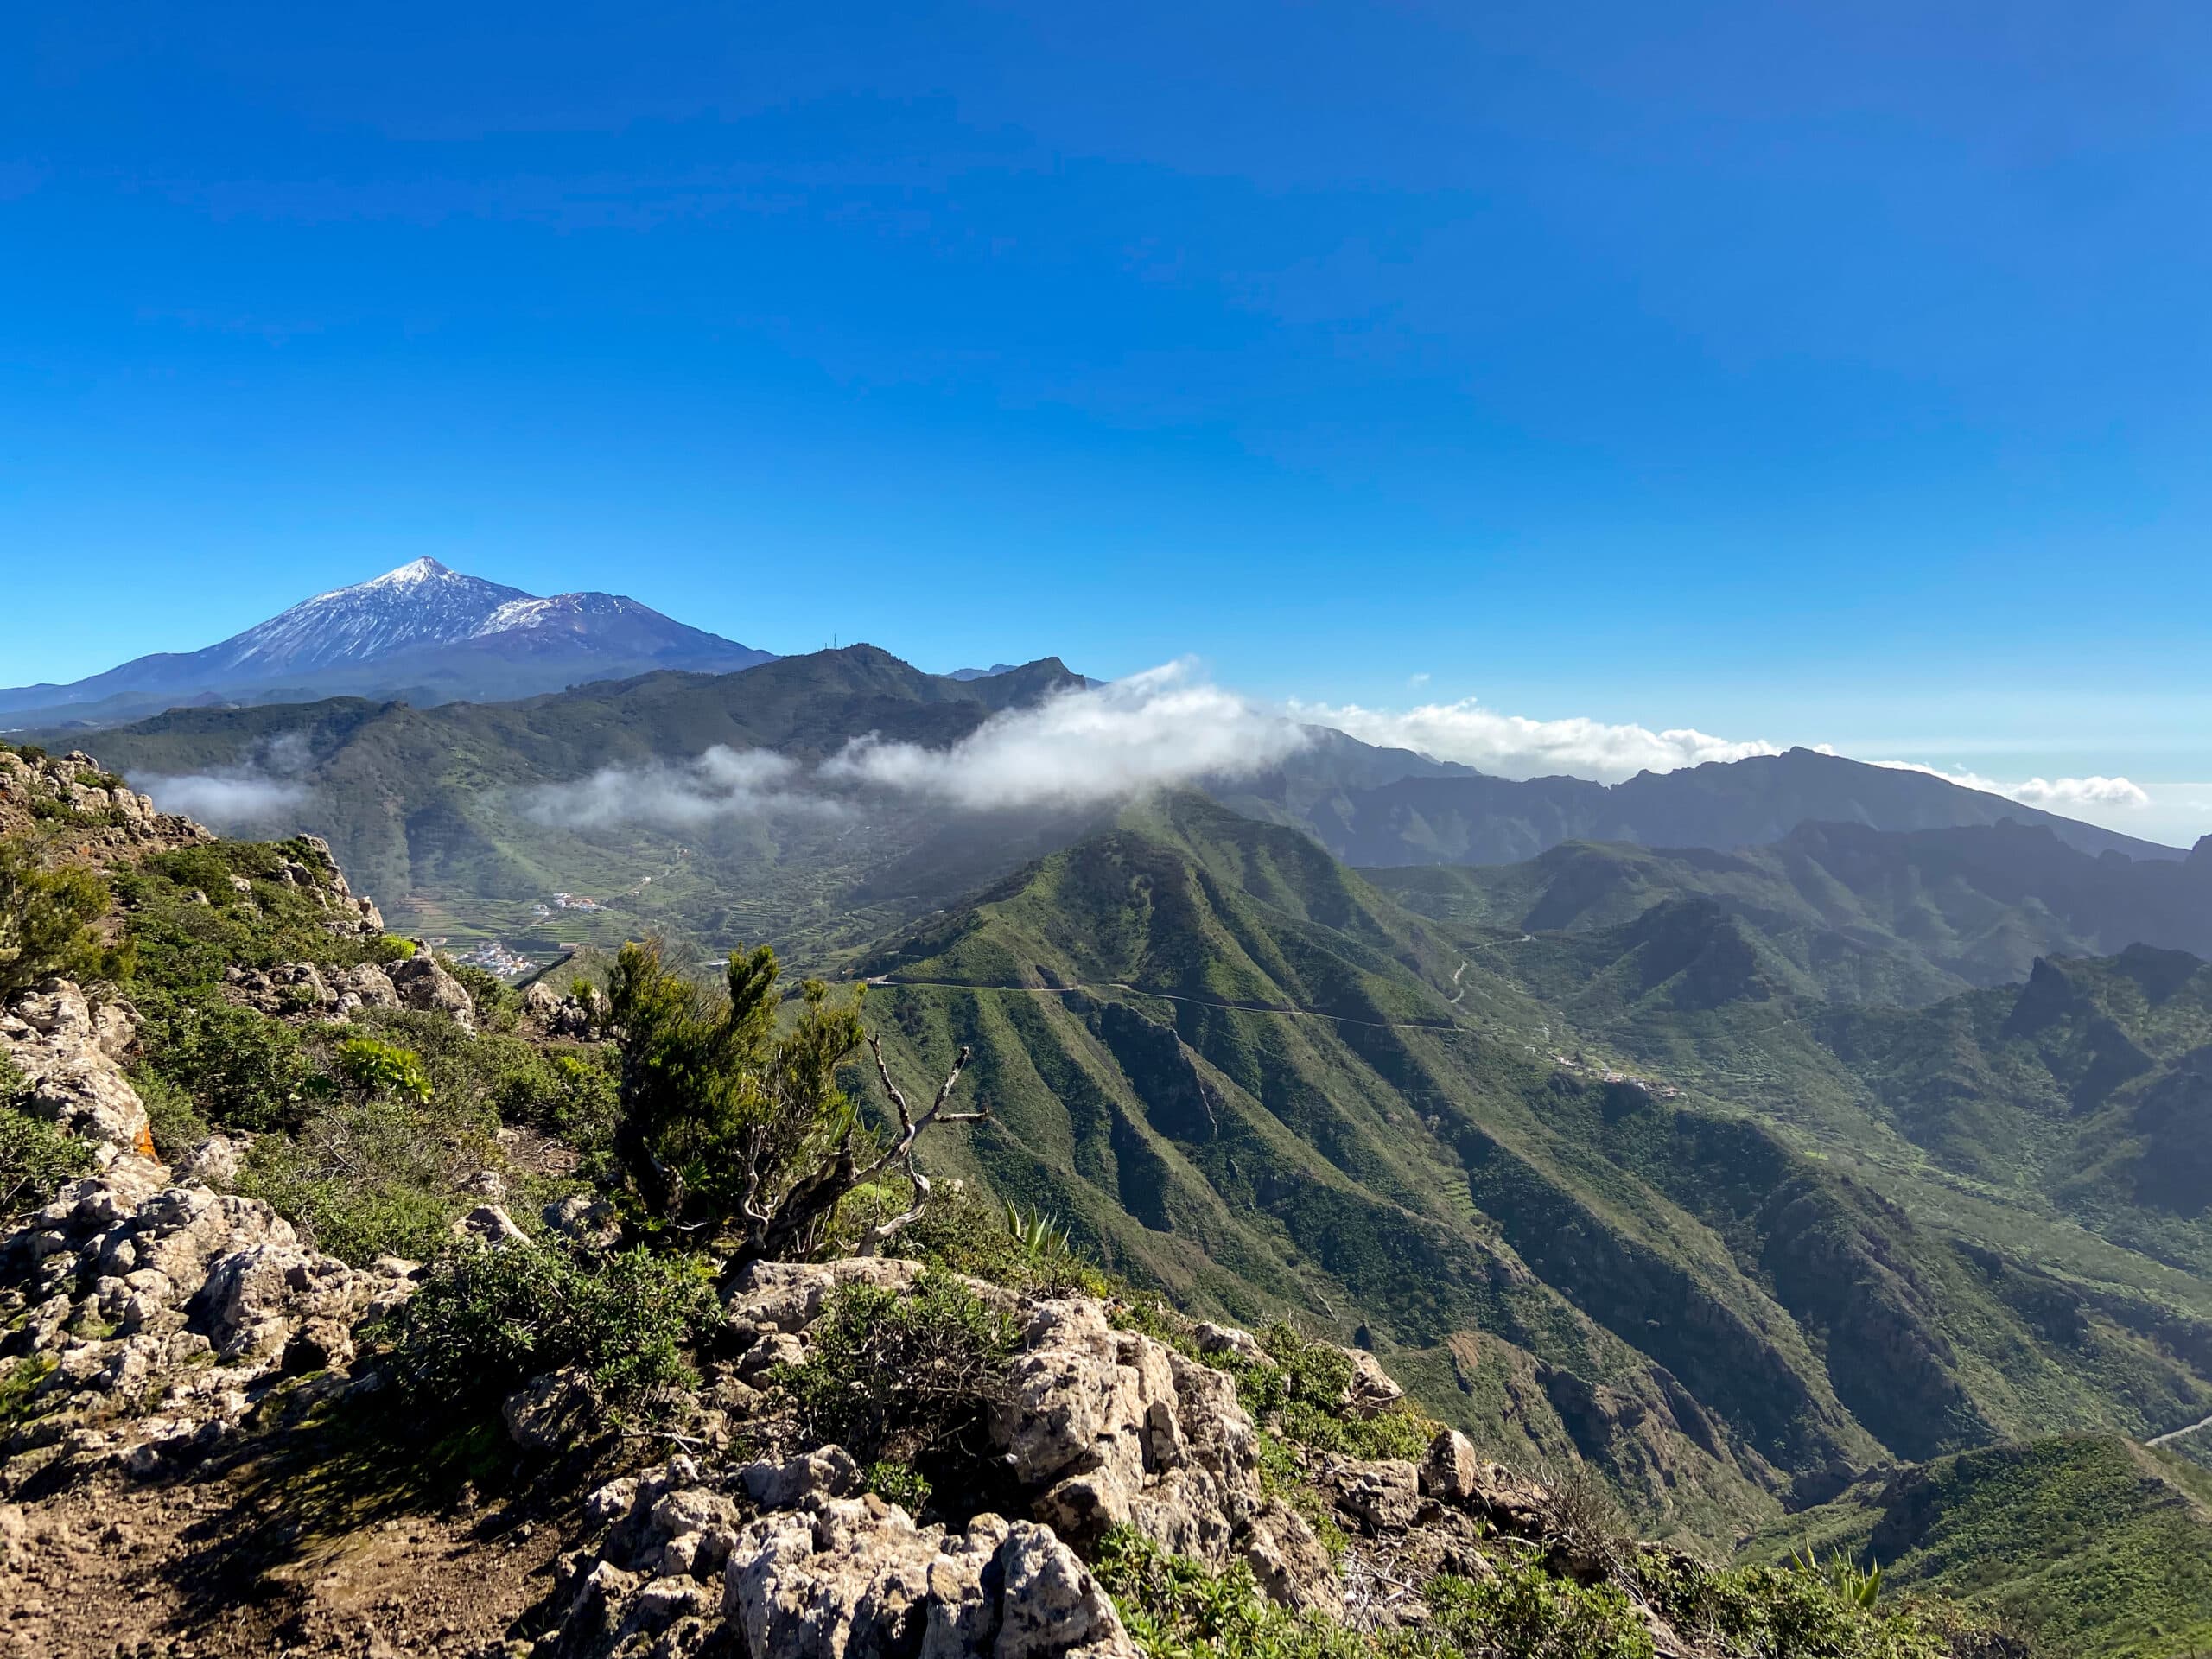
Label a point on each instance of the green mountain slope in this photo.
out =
(2100, 1548)
(1857, 914)
(461, 817)
(1243, 1073)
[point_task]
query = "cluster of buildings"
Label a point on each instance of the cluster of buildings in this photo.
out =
(495, 957)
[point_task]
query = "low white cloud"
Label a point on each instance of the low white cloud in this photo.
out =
(224, 797)
(1164, 726)
(1514, 745)
(723, 783)
(266, 788)
(2052, 794)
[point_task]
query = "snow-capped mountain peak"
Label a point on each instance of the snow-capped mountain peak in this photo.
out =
(412, 573)
(422, 630)
(420, 603)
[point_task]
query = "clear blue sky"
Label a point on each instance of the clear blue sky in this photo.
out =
(1812, 374)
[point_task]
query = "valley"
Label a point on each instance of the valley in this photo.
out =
(1764, 1172)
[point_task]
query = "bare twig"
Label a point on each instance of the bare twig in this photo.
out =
(901, 1154)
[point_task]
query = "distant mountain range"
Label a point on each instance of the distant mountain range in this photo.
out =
(421, 632)
(1430, 812)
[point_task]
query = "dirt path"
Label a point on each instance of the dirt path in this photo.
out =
(225, 1567)
(889, 982)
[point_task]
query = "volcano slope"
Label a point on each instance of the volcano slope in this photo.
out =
(1242, 1072)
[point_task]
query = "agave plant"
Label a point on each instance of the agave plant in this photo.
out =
(1858, 1587)
(1041, 1236)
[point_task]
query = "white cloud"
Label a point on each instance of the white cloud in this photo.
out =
(1513, 746)
(2051, 794)
(724, 783)
(1163, 726)
(265, 788)
(224, 798)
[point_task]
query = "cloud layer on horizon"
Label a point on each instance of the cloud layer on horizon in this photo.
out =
(2062, 795)
(1514, 745)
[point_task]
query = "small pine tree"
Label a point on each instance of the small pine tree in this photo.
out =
(734, 1128)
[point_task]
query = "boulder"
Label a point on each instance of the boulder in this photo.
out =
(1371, 1391)
(67, 1052)
(1382, 1495)
(1452, 1473)
(491, 1225)
(583, 1219)
(420, 982)
(369, 984)
(788, 1295)
(214, 1161)
(857, 1578)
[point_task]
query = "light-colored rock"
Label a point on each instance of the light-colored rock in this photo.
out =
(1383, 1495)
(1371, 1391)
(134, 1294)
(1452, 1473)
(1230, 1342)
(825, 1473)
(214, 1161)
(584, 1220)
(369, 983)
(490, 1225)
(788, 1295)
(67, 1052)
(421, 982)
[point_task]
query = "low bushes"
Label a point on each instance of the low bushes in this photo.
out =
(37, 1157)
(904, 1379)
(366, 1178)
(46, 920)
(484, 1321)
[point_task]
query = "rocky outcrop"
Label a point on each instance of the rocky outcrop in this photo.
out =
(792, 1562)
(69, 1050)
(155, 1321)
(89, 813)
(575, 1017)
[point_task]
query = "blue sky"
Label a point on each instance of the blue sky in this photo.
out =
(1803, 374)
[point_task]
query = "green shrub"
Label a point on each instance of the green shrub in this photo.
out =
(1797, 1615)
(907, 1375)
(899, 1482)
(1178, 1608)
(498, 1003)
(240, 1068)
(484, 1321)
(171, 1117)
(961, 1233)
(46, 920)
(363, 1178)
(37, 1159)
(1527, 1613)
(378, 1068)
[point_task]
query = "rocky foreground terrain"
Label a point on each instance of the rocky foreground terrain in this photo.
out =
(324, 1328)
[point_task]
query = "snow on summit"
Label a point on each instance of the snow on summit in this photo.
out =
(420, 603)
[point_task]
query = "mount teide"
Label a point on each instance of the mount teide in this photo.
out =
(421, 632)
